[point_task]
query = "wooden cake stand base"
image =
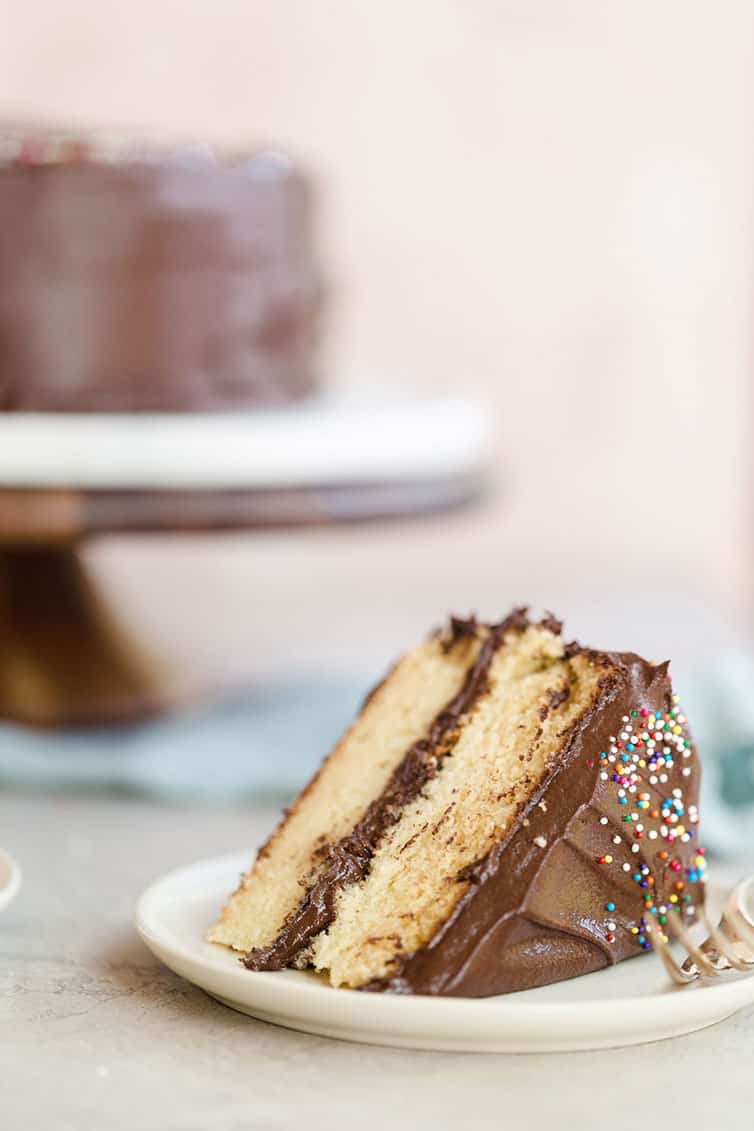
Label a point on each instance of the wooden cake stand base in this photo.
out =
(64, 659)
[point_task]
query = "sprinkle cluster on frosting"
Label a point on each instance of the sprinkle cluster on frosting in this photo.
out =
(637, 762)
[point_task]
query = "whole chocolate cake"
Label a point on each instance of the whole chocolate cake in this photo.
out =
(507, 810)
(142, 280)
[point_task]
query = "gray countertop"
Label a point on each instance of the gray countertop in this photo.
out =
(95, 1034)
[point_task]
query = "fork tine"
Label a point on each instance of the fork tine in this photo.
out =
(730, 945)
(697, 956)
(722, 945)
(680, 976)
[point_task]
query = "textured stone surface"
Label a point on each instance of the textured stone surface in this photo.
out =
(94, 1033)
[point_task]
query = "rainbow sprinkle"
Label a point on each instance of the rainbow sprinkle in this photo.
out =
(636, 762)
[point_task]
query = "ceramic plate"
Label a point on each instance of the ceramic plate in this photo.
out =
(627, 1004)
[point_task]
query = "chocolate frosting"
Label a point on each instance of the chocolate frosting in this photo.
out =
(155, 286)
(553, 899)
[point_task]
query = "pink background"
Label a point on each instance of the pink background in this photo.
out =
(548, 204)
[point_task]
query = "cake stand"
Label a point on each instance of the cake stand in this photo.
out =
(64, 656)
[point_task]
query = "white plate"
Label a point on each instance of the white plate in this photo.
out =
(625, 1005)
(322, 442)
(10, 879)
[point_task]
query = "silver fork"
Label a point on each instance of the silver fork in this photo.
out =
(728, 946)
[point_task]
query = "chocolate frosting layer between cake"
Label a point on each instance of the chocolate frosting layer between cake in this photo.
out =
(564, 893)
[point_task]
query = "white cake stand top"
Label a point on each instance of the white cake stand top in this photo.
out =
(324, 442)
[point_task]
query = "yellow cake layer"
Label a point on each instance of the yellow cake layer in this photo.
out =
(398, 714)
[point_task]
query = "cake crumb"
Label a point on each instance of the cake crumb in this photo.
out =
(540, 841)
(542, 805)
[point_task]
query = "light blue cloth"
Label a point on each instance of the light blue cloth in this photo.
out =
(720, 706)
(266, 745)
(263, 745)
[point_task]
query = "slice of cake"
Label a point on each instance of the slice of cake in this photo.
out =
(507, 810)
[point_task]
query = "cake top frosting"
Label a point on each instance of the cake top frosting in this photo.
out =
(25, 148)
